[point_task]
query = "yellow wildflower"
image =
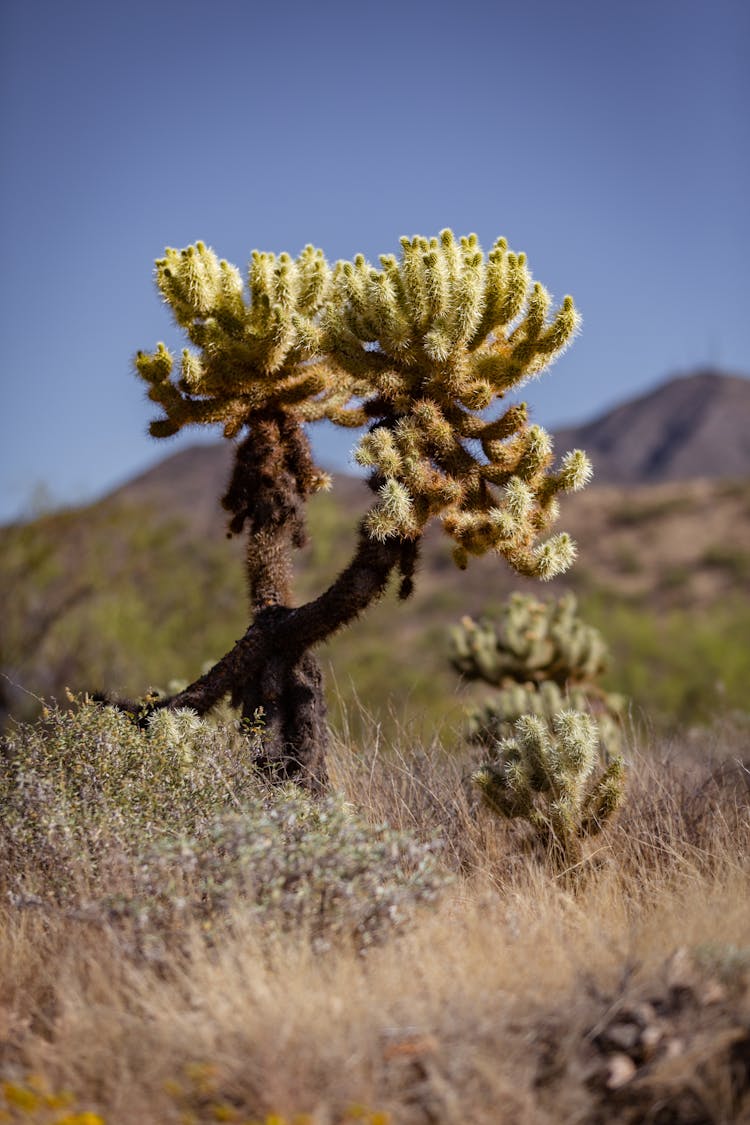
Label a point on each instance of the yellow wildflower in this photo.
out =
(20, 1097)
(223, 1112)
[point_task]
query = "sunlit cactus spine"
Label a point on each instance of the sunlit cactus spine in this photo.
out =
(542, 658)
(552, 775)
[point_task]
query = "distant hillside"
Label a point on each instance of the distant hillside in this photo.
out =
(189, 485)
(143, 587)
(691, 426)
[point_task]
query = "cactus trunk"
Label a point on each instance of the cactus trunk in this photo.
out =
(272, 478)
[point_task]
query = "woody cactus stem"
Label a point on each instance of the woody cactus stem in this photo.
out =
(273, 666)
(269, 485)
(273, 477)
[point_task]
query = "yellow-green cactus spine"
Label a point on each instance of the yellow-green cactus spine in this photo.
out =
(552, 775)
(430, 341)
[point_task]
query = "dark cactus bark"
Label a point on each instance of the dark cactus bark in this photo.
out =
(273, 666)
(272, 479)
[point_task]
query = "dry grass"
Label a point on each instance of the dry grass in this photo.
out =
(615, 992)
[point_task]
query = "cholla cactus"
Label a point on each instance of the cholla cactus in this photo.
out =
(542, 657)
(551, 775)
(431, 341)
(416, 350)
(256, 364)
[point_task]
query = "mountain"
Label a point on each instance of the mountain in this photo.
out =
(143, 587)
(187, 484)
(691, 426)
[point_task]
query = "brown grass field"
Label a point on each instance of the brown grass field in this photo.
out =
(496, 989)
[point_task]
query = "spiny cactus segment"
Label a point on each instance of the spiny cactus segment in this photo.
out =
(552, 775)
(251, 353)
(542, 658)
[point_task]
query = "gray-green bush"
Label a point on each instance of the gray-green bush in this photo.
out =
(151, 830)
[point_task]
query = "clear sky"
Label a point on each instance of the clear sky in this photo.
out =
(610, 141)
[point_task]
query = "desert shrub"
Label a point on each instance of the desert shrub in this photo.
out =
(151, 830)
(87, 592)
(287, 863)
(730, 558)
(633, 512)
(681, 667)
(90, 773)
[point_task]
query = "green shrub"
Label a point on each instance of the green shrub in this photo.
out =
(87, 591)
(729, 558)
(681, 667)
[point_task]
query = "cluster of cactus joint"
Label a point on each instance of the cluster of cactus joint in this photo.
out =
(415, 350)
(551, 774)
(541, 658)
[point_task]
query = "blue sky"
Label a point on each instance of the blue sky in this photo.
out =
(609, 141)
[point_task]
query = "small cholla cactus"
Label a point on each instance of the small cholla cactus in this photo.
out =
(542, 658)
(495, 718)
(530, 641)
(552, 775)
